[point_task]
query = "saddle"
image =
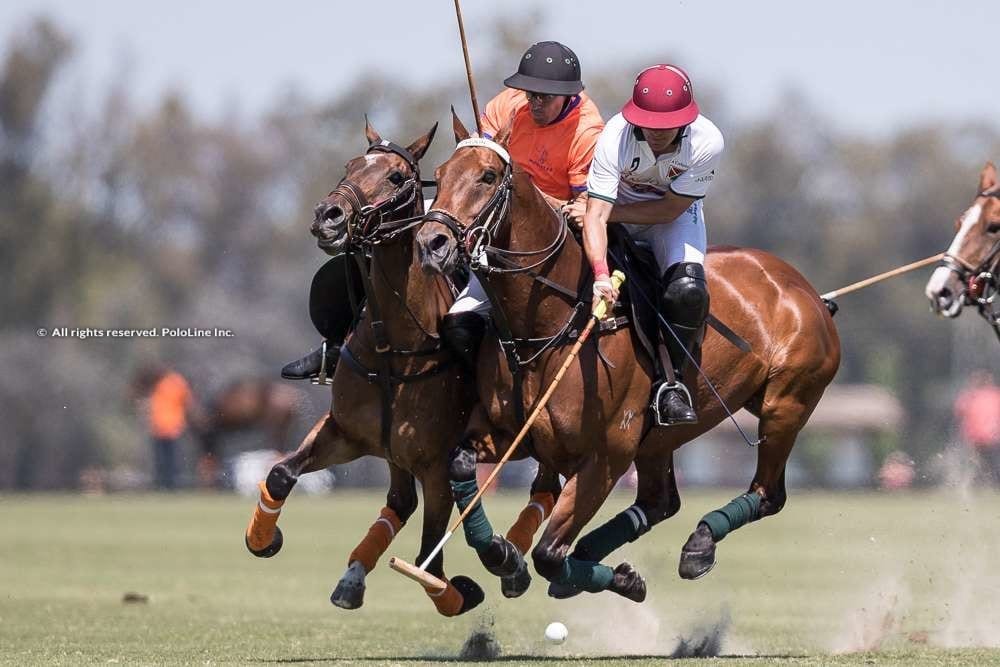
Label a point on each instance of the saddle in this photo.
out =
(638, 296)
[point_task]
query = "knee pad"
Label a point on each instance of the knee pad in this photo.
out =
(462, 333)
(684, 294)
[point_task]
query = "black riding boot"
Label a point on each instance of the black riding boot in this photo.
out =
(463, 334)
(684, 304)
(313, 364)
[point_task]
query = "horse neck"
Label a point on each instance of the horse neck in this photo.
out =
(401, 287)
(534, 225)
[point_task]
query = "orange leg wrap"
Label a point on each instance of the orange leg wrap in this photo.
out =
(522, 533)
(260, 532)
(448, 602)
(377, 540)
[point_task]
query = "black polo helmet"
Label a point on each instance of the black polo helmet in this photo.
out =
(547, 67)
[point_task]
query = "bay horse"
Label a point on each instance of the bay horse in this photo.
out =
(372, 211)
(969, 273)
(487, 213)
(251, 403)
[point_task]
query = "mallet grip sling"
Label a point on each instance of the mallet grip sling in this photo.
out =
(419, 574)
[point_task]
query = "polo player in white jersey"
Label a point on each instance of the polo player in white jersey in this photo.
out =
(653, 165)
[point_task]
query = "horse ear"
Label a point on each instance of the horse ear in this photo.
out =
(503, 136)
(987, 177)
(370, 133)
(419, 147)
(460, 132)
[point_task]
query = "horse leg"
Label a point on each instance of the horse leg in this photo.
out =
(656, 499)
(580, 499)
(462, 593)
(322, 447)
(400, 504)
(545, 491)
(497, 554)
(781, 420)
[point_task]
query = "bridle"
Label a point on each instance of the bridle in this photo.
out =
(981, 281)
(476, 241)
(374, 223)
(369, 225)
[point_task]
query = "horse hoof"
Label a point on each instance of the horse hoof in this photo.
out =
(698, 554)
(472, 593)
(274, 547)
(563, 591)
(350, 590)
(516, 584)
(628, 583)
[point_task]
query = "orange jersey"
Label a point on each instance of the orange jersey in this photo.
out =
(557, 156)
(168, 406)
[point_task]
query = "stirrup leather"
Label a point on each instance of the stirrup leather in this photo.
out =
(322, 377)
(668, 386)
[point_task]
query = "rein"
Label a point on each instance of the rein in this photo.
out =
(477, 249)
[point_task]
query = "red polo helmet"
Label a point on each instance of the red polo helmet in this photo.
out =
(662, 99)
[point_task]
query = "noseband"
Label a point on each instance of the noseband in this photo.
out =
(372, 222)
(980, 280)
(475, 238)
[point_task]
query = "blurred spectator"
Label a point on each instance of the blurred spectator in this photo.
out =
(896, 472)
(170, 404)
(977, 409)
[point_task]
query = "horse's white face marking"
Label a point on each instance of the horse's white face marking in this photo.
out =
(370, 160)
(942, 275)
(627, 418)
(969, 220)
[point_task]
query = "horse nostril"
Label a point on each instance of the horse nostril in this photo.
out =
(438, 243)
(333, 214)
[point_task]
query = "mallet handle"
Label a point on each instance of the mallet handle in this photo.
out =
(468, 68)
(616, 279)
(861, 284)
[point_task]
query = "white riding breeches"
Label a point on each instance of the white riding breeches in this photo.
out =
(473, 298)
(683, 240)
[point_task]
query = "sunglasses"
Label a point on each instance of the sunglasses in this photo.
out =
(541, 97)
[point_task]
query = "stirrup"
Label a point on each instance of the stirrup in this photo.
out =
(322, 377)
(669, 386)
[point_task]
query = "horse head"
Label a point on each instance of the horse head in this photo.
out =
(474, 187)
(377, 186)
(968, 270)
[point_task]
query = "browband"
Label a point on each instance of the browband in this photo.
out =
(485, 143)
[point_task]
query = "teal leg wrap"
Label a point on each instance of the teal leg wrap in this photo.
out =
(623, 528)
(740, 511)
(478, 531)
(586, 575)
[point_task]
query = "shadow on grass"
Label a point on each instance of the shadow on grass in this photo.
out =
(529, 658)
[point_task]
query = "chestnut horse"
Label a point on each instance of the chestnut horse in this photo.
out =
(598, 422)
(969, 273)
(430, 395)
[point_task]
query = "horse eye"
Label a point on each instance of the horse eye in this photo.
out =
(489, 177)
(396, 178)
(993, 228)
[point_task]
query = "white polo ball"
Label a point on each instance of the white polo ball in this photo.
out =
(556, 632)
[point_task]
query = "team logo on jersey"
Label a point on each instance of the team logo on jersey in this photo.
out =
(635, 164)
(674, 171)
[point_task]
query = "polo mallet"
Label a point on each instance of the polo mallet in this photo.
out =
(854, 287)
(420, 574)
(468, 67)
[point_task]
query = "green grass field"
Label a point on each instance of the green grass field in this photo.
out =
(910, 577)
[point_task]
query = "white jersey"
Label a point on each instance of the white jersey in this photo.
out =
(624, 169)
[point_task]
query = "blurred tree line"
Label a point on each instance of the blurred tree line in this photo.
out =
(112, 215)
